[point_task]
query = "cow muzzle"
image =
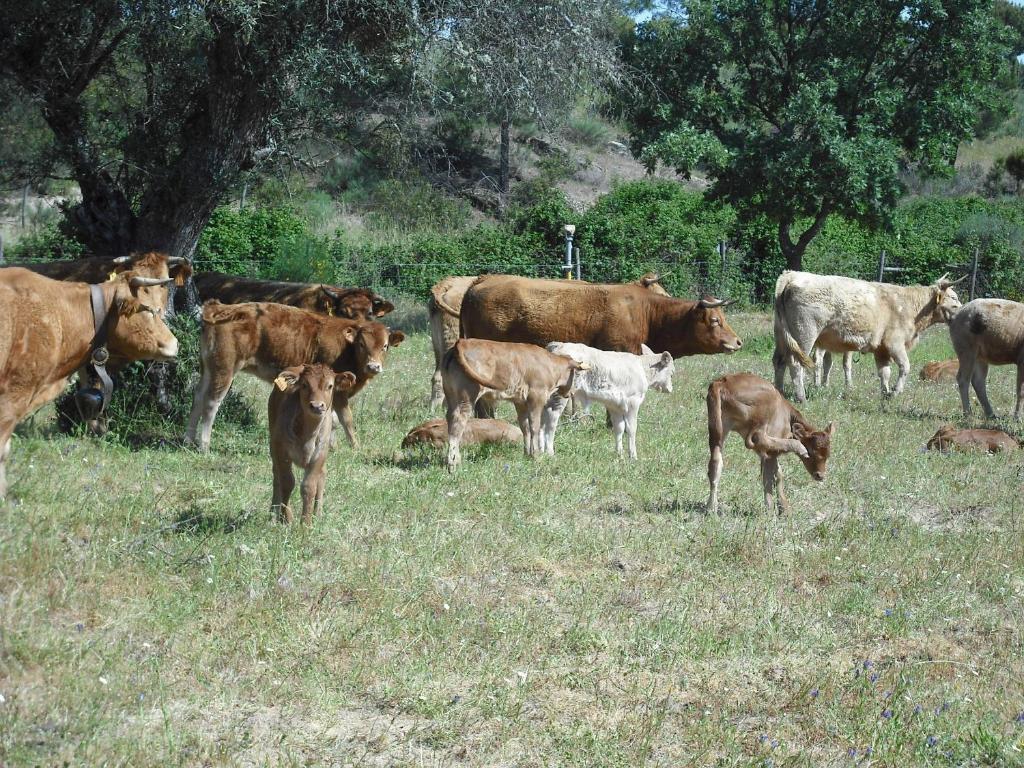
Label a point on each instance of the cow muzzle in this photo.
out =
(819, 476)
(318, 407)
(374, 367)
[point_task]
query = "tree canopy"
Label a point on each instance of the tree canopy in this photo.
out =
(798, 110)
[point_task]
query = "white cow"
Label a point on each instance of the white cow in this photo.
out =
(841, 314)
(617, 380)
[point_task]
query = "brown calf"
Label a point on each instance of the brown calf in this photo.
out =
(264, 338)
(989, 440)
(527, 375)
(940, 370)
(299, 416)
(769, 425)
(353, 303)
(477, 431)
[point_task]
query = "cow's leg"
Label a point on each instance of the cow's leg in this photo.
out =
(979, 379)
(769, 471)
(632, 411)
(796, 372)
(780, 493)
(310, 492)
(964, 377)
(459, 411)
(884, 371)
(618, 427)
(523, 419)
(822, 367)
(549, 422)
(213, 388)
(284, 484)
(762, 442)
(716, 438)
(1020, 391)
(436, 387)
(343, 409)
(848, 368)
(6, 430)
(903, 361)
(535, 406)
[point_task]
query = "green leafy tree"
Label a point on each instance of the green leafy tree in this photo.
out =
(800, 110)
(155, 108)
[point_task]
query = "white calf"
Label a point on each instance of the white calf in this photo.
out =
(617, 380)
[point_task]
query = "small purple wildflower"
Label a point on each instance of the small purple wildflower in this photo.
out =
(931, 741)
(887, 694)
(815, 692)
(867, 664)
(945, 706)
(775, 743)
(886, 714)
(888, 612)
(918, 709)
(763, 738)
(874, 677)
(851, 752)
(1019, 719)
(867, 751)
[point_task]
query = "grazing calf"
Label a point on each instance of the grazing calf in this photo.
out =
(988, 440)
(940, 370)
(769, 425)
(476, 369)
(263, 338)
(477, 431)
(299, 417)
(617, 380)
(988, 332)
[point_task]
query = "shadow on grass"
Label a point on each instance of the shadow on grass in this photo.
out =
(194, 521)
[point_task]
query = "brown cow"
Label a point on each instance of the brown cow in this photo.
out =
(769, 425)
(619, 318)
(99, 269)
(264, 338)
(300, 424)
(445, 304)
(523, 373)
(940, 370)
(47, 330)
(988, 332)
(354, 303)
(990, 440)
(477, 432)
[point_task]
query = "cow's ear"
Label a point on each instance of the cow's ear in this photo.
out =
(344, 381)
(350, 333)
(381, 307)
(395, 338)
(798, 430)
(645, 350)
(666, 359)
(288, 378)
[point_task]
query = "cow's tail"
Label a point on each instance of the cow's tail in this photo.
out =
(215, 312)
(455, 354)
(785, 344)
(716, 429)
(437, 294)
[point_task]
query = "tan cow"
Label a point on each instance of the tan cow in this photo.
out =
(988, 332)
(99, 269)
(769, 425)
(264, 338)
(949, 437)
(525, 374)
(299, 417)
(353, 303)
(618, 318)
(940, 370)
(47, 332)
(476, 432)
(841, 314)
(445, 305)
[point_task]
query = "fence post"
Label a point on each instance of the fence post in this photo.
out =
(579, 266)
(974, 274)
(569, 230)
(881, 267)
(721, 275)
(24, 204)
(241, 202)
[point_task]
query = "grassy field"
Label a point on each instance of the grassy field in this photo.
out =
(574, 611)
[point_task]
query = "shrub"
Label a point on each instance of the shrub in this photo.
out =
(587, 130)
(542, 211)
(44, 244)
(410, 206)
(246, 242)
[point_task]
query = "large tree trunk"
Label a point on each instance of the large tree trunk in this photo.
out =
(794, 251)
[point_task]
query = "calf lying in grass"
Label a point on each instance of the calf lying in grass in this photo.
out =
(949, 437)
(477, 431)
(617, 380)
(478, 369)
(769, 425)
(299, 415)
(940, 370)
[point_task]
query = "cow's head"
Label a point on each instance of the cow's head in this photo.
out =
(137, 330)
(567, 382)
(315, 385)
(946, 302)
(818, 443)
(652, 282)
(711, 330)
(353, 303)
(371, 343)
(659, 372)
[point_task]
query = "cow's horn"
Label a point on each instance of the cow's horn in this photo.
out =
(143, 282)
(177, 260)
(121, 260)
(333, 294)
(650, 279)
(713, 303)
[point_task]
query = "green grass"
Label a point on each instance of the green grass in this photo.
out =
(575, 611)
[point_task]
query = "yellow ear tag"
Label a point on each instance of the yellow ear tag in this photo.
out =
(280, 383)
(112, 277)
(330, 310)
